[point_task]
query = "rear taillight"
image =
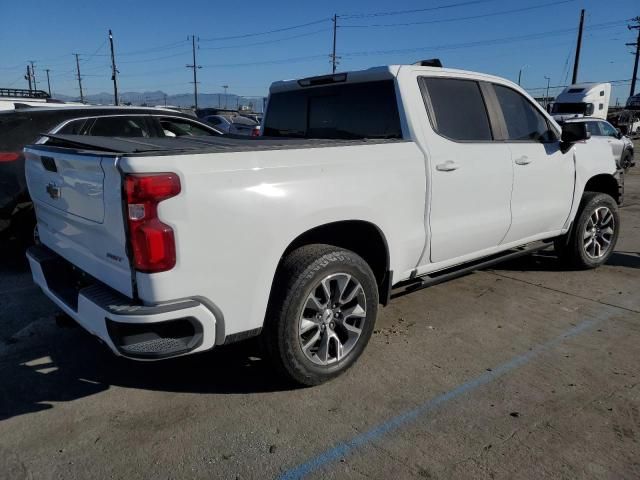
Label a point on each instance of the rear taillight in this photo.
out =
(9, 156)
(152, 242)
(255, 132)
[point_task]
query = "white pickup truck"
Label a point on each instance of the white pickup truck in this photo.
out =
(367, 185)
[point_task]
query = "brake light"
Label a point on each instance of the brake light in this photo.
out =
(255, 132)
(152, 242)
(9, 156)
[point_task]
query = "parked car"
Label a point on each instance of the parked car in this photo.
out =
(17, 98)
(235, 125)
(601, 130)
(368, 187)
(24, 126)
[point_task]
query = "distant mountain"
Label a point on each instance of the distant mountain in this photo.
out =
(160, 98)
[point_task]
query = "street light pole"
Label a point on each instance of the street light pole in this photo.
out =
(520, 73)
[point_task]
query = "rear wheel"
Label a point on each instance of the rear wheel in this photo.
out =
(322, 314)
(594, 233)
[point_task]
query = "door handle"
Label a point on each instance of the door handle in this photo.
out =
(523, 160)
(447, 166)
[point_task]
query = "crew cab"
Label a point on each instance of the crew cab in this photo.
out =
(367, 185)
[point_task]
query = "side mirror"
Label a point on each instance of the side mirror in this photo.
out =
(574, 132)
(618, 134)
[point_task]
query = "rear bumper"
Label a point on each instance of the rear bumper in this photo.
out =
(141, 332)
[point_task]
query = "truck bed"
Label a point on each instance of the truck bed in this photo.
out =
(170, 145)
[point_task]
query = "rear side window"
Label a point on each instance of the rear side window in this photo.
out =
(458, 109)
(74, 127)
(524, 121)
(345, 111)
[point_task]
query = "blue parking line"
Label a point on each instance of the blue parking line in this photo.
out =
(340, 450)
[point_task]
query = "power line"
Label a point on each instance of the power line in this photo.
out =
(456, 19)
(495, 41)
(266, 42)
(415, 10)
(255, 34)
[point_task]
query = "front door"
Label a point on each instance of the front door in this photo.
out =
(543, 176)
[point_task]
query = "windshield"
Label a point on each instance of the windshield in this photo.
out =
(579, 108)
(345, 111)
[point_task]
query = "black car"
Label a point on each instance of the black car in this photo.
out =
(25, 126)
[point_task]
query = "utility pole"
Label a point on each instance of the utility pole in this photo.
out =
(546, 97)
(114, 70)
(27, 77)
(195, 68)
(576, 62)
(225, 95)
(48, 81)
(33, 75)
(334, 59)
(635, 63)
(79, 77)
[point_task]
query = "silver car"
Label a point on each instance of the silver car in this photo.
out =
(601, 130)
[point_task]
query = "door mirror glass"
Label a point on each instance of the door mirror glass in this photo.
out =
(574, 132)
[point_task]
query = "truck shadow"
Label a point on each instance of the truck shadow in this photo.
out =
(548, 262)
(74, 365)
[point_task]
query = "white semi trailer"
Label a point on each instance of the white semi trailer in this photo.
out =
(582, 100)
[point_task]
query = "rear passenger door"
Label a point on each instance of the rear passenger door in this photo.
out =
(470, 173)
(543, 176)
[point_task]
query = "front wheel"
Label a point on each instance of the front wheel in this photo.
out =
(322, 313)
(594, 233)
(627, 161)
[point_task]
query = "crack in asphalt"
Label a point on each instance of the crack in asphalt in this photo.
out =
(575, 295)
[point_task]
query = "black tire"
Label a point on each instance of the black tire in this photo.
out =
(572, 249)
(299, 275)
(626, 161)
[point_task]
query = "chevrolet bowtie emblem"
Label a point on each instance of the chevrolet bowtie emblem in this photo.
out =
(54, 191)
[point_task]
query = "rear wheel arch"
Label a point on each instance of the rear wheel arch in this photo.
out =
(359, 236)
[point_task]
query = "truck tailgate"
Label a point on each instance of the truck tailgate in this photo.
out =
(78, 202)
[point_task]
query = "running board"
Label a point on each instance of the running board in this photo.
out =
(434, 278)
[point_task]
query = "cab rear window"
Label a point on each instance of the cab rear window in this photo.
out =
(346, 111)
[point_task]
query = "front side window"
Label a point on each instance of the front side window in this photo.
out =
(176, 127)
(593, 128)
(120, 127)
(459, 112)
(608, 130)
(524, 122)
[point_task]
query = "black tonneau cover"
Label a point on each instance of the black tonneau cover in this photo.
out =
(168, 145)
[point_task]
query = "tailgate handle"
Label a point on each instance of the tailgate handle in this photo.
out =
(49, 164)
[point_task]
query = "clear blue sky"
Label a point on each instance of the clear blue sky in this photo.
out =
(152, 48)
